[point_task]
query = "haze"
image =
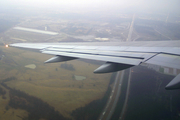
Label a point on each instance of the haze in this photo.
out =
(68, 90)
(97, 5)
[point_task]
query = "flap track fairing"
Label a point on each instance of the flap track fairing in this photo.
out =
(59, 59)
(111, 67)
(174, 84)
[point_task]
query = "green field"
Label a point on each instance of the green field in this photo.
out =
(50, 82)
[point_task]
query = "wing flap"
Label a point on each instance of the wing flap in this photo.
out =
(141, 55)
(124, 60)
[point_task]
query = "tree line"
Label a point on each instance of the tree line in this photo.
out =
(2, 91)
(68, 67)
(37, 108)
(93, 109)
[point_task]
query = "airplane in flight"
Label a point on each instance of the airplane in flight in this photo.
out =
(117, 55)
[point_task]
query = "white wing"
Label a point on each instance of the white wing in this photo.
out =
(118, 56)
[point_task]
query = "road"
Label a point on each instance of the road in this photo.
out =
(131, 29)
(113, 99)
(162, 34)
(115, 93)
(127, 97)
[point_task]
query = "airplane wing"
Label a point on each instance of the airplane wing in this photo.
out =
(118, 55)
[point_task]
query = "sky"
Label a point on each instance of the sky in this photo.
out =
(88, 5)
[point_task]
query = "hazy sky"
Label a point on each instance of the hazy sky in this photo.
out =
(166, 5)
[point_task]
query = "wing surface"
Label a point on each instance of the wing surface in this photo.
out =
(129, 54)
(118, 56)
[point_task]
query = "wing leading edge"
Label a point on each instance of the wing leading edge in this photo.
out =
(116, 57)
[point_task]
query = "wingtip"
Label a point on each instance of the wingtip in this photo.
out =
(6, 45)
